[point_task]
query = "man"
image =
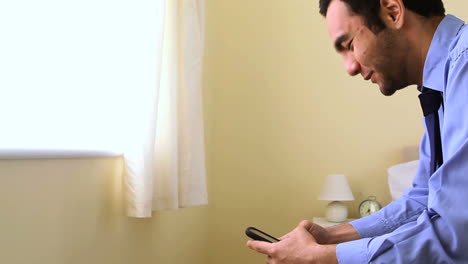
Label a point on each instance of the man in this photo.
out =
(397, 43)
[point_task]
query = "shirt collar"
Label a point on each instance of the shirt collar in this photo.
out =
(434, 67)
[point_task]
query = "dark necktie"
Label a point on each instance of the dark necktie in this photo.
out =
(431, 101)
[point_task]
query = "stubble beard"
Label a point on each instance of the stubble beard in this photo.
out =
(391, 64)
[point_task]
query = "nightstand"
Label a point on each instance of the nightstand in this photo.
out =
(321, 221)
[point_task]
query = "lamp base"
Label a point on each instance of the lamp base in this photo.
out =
(336, 212)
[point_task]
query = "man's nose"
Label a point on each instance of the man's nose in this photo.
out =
(351, 64)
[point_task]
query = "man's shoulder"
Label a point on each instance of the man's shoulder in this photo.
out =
(459, 45)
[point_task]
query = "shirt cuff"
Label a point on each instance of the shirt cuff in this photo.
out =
(370, 226)
(353, 252)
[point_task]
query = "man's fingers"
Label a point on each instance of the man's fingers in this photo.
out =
(306, 224)
(260, 246)
(309, 226)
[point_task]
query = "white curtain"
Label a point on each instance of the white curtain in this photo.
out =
(165, 158)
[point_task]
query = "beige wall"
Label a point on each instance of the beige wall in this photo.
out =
(70, 212)
(282, 113)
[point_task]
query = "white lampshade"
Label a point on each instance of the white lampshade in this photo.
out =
(336, 188)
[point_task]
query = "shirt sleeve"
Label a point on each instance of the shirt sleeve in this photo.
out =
(438, 233)
(400, 212)
(404, 210)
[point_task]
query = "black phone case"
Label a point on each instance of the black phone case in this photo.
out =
(250, 232)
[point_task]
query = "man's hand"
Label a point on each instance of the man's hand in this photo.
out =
(332, 235)
(298, 247)
(321, 235)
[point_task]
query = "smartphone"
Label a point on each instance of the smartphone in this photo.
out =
(256, 234)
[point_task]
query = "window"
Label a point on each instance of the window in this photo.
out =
(71, 72)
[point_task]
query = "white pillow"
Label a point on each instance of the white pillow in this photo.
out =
(400, 177)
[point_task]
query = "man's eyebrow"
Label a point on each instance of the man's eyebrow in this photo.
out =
(339, 40)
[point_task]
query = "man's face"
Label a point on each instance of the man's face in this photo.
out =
(379, 57)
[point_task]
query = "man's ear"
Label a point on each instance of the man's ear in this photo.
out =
(392, 13)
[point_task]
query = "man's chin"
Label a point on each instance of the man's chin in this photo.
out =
(387, 91)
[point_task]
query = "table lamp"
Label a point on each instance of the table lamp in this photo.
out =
(336, 189)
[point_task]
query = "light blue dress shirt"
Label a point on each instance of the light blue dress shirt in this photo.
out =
(429, 223)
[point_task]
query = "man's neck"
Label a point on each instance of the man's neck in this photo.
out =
(420, 34)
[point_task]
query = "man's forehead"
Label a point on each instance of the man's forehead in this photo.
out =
(340, 21)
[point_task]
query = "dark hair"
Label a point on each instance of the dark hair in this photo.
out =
(370, 9)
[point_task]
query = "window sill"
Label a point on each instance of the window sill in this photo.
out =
(12, 153)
